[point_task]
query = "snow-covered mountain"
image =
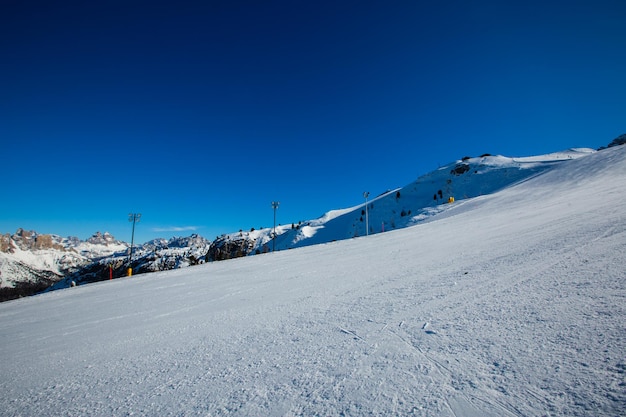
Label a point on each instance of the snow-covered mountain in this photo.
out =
(505, 303)
(414, 203)
(30, 262)
(155, 255)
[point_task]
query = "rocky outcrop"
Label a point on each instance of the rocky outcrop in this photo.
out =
(620, 140)
(460, 169)
(227, 247)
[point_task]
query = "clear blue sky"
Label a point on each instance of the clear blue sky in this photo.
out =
(199, 114)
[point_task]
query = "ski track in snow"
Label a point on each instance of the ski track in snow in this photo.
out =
(510, 306)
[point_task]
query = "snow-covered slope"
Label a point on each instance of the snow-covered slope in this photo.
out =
(510, 304)
(418, 201)
(28, 266)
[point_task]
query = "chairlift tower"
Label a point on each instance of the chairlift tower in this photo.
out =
(134, 218)
(367, 222)
(275, 205)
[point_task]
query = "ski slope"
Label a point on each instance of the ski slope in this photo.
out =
(507, 304)
(414, 203)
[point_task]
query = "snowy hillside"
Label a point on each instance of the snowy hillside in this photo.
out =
(509, 304)
(417, 202)
(28, 268)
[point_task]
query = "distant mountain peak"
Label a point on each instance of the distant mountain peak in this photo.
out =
(101, 239)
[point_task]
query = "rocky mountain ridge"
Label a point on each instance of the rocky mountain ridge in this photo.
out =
(32, 261)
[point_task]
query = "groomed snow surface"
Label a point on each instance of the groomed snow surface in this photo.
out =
(510, 304)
